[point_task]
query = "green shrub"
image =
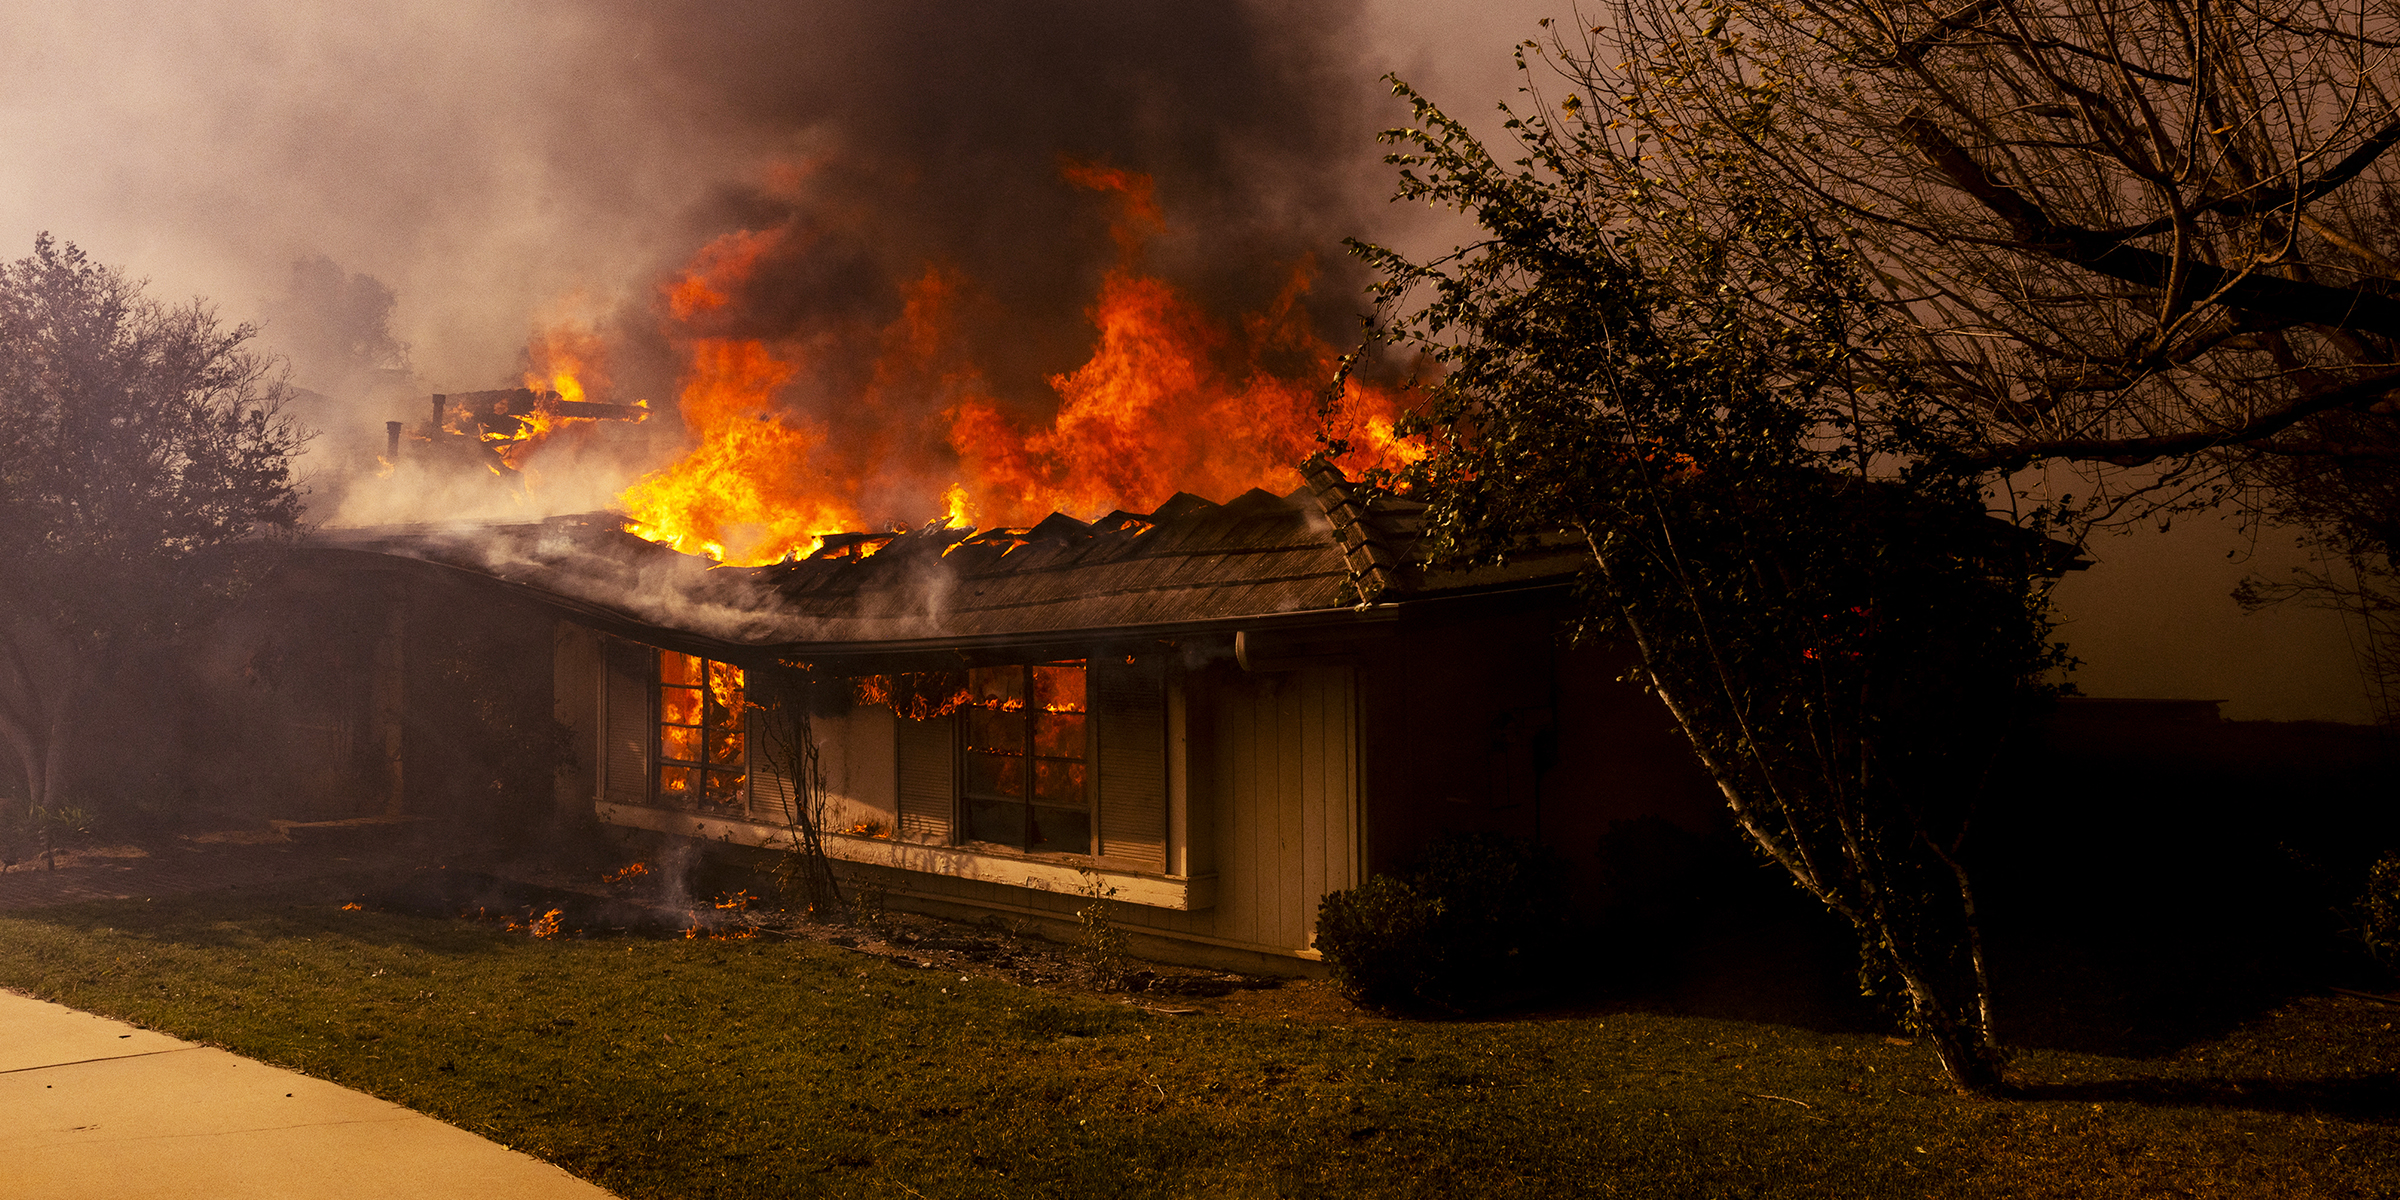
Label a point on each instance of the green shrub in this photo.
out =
(1376, 939)
(1470, 925)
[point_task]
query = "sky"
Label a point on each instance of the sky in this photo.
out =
(470, 173)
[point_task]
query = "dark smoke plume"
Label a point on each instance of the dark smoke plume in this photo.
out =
(933, 136)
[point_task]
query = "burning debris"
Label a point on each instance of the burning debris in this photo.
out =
(641, 905)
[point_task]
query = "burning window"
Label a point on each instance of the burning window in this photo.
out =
(1027, 746)
(703, 758)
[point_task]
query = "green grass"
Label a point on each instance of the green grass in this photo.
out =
(766, 1068)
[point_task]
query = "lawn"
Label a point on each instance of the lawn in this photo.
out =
(769, 1067)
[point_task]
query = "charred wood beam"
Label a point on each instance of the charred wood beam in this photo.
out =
(2105, 253)
(2136, 451)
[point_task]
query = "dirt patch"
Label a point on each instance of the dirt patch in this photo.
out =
(1016, 955)
(239, 837)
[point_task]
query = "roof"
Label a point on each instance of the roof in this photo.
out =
(1317, 554)
(1323, 554)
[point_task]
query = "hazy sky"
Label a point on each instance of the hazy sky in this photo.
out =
(502, 167)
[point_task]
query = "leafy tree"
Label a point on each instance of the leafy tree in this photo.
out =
(144, 476)
(1844, 637)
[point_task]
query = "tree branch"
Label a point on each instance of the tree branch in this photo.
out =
(2106, 254)
(2136, 451)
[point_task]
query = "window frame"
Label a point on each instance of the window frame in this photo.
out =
(1029, 801)
(735, 723)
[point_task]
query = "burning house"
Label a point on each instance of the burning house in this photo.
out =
(1213, 714)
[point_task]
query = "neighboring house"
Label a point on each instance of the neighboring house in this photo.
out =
(1212, 714)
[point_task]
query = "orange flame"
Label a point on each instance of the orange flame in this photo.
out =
(746, 495)
(1170, 399)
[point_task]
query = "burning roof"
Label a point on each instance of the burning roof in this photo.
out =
(1191, 563)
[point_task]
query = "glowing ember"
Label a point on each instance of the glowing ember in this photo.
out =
(734, 925)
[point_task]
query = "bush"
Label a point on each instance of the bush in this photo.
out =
(1469, 925)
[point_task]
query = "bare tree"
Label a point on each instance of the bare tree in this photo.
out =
(2124, 231)
(144, 471)
(2157, 240)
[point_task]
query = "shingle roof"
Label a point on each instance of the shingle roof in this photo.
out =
(1257, 557)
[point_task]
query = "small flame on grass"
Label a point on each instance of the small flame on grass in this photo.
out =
(737, 903)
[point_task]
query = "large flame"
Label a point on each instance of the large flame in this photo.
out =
(1171, 399)
(746, 494)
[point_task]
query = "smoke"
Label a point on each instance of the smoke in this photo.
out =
(478, 173)
(934, 197)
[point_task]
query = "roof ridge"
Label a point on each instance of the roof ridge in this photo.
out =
(1366, 545)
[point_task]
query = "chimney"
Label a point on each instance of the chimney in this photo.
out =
(439, 401)
(391, 441)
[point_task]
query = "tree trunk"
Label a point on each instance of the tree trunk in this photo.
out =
(1952, 1023)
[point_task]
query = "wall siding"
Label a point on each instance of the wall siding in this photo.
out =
(625, 760)
(771, 785)
(1286, 769)
(861, 766)
(928, 771)
(1130, 702)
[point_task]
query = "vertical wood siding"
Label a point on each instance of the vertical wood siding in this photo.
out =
(861, 768)
(1130, 703)
(625, 760)
(771, 787)
(928, 769)
(1287, 819)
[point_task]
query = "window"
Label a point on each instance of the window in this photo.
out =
(703, 759)
(1027, 757)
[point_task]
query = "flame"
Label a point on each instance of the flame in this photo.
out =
(744, 495)
(790, 441)
(733, 928)
(957, 512)
(925, 695)
(1171, 400)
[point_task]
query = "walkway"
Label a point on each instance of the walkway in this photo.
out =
(94, 1109)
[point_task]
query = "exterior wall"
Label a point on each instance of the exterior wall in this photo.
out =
(1286, 790)
(298, 701)
(575, 658)
(862, 772)
(1261, 814)
(1488, 722)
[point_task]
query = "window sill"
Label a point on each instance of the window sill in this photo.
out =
(1060, 873)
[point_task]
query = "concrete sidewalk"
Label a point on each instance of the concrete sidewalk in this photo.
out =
(94, 1109)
